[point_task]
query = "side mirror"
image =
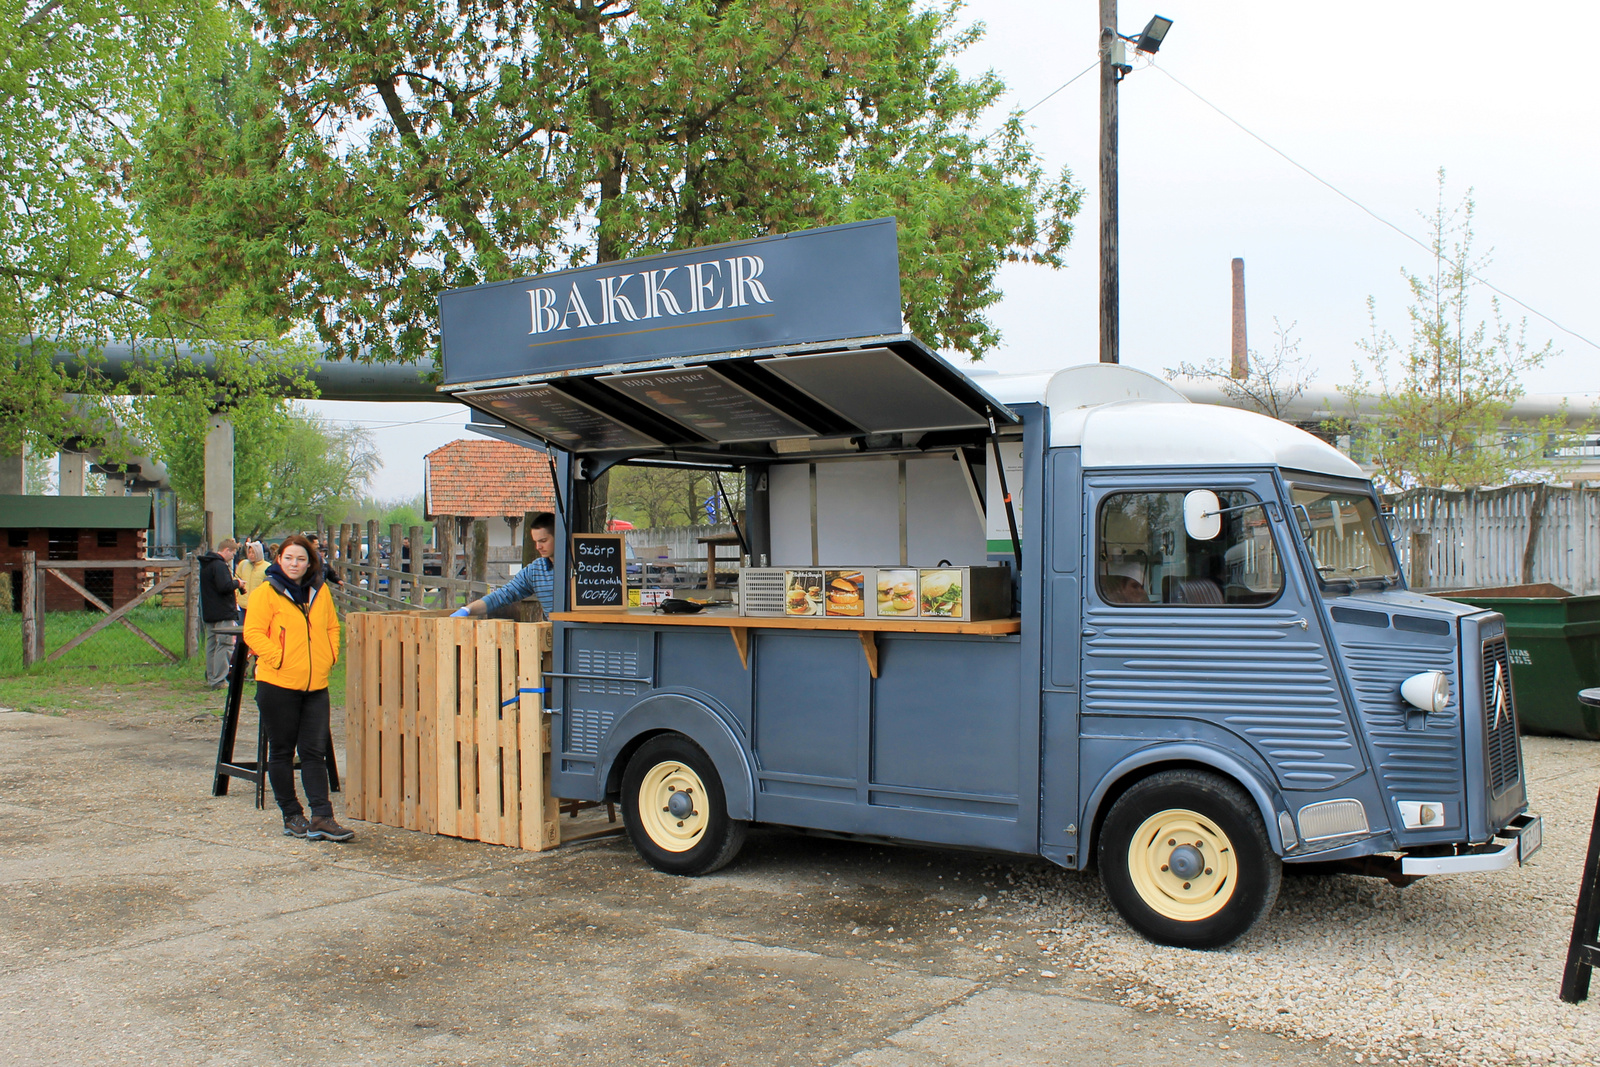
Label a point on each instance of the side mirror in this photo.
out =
(1202, 518)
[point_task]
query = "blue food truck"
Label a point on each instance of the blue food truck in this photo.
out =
(1068, 615)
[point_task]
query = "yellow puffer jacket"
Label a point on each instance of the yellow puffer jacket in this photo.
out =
(294, 649)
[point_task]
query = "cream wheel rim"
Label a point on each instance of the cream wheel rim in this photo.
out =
(673, 806)
(1182, 865)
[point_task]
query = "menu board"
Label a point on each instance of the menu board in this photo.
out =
(707, 403)
(557, 418)
(599, 571)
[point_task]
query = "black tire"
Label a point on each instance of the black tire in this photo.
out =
(1199, 891)
(704, 838)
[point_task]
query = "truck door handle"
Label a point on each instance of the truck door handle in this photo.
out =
(1297, 622)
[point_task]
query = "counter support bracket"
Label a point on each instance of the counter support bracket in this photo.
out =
(869, 645)
(741, 641)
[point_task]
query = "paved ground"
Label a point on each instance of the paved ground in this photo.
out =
(146, 922)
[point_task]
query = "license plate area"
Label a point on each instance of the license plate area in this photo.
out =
(1529, 832)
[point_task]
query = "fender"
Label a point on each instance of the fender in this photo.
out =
(1261, 791)
(701, 723)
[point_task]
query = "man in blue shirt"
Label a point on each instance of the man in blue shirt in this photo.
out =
(536, 579)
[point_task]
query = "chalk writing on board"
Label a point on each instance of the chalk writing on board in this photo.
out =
(599, 571)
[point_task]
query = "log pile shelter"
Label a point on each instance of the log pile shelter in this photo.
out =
(63, 528)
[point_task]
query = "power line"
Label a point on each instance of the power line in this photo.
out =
(1066, 83)
(1358, 204)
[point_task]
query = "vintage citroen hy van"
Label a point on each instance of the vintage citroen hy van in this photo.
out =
(1213, 667)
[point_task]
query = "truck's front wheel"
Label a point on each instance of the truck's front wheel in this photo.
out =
(1185, 858)
(675, 808)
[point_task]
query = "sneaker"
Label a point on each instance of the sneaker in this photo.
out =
(323, 828)
(296, 826)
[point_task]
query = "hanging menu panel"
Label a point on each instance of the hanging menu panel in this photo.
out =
(557, 418)
(708, 404)
(877, 390)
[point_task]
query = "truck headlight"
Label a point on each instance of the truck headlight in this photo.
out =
(1429, 691)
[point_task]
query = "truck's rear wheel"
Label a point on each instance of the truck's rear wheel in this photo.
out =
(675, 808)
(1185, 858)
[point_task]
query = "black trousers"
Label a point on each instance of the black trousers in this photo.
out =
(296, 720)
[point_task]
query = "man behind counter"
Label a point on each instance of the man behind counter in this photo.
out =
(536, 579)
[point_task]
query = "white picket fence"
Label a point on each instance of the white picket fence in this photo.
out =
(1480, 539)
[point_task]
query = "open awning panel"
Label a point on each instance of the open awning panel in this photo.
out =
(877, 391)
(735, 406)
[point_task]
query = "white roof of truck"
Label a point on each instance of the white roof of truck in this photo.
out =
(1122, 417)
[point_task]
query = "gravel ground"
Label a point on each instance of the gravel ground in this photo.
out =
(1458, 970)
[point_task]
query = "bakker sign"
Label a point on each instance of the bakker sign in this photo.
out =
(813, 286)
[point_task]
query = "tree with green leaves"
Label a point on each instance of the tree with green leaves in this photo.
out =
(367, 155)
(1436, 408)
(77, 84)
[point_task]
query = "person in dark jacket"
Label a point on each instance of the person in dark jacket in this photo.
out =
(218, 605)
(329, 575)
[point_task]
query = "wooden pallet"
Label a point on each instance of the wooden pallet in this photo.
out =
(445, 730)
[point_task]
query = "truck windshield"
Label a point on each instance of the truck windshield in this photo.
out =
(1348, 544)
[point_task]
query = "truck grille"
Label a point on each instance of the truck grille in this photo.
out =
(1500, 717)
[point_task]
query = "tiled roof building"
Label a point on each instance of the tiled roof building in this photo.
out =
(484, 479)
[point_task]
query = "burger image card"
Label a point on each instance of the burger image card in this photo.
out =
(846, 593)
(897, 593)
(802, 592)
(940, 594)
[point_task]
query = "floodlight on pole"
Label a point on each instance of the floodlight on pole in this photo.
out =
(1154, 32)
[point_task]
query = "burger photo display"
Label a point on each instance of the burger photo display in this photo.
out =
(845, 593)
(941, 592)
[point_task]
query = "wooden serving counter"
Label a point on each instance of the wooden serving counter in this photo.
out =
(739, 626)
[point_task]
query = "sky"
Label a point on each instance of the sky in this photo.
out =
(1373, 98)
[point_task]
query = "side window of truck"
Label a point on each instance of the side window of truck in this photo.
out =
(1143, 555)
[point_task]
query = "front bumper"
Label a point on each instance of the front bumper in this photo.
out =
(1512, 846)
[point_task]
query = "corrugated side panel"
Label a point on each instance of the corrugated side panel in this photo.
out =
(593, 704)
(1257, 673)
(1414, 763)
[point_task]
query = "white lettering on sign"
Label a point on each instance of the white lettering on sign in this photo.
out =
(576, 306)
(1520, 657)
(711, 285)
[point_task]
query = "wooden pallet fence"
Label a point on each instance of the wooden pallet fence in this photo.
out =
(445, 729)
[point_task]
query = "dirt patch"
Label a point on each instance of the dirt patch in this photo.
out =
(184, 708)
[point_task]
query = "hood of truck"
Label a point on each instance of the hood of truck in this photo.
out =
(1463, 761)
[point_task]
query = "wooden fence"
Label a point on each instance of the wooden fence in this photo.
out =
(32, 574)
(445, 730)
(1517, 535)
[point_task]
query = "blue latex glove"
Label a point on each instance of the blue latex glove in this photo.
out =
(460, 613)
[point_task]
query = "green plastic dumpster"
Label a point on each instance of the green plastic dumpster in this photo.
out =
(1554, 642)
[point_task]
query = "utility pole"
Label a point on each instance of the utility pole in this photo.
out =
(1113, 65)
(1109, 293)
(1241, 357)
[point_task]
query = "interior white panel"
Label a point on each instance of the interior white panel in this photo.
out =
(941, 522)
(789, 502)
(858, 513)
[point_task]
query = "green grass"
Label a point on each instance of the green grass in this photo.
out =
(114, 656)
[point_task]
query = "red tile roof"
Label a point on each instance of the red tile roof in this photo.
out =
(487, 478)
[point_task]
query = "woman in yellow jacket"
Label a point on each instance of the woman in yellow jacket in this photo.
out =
(291, 626)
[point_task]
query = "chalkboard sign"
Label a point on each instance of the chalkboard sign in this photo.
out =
(599, 572)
